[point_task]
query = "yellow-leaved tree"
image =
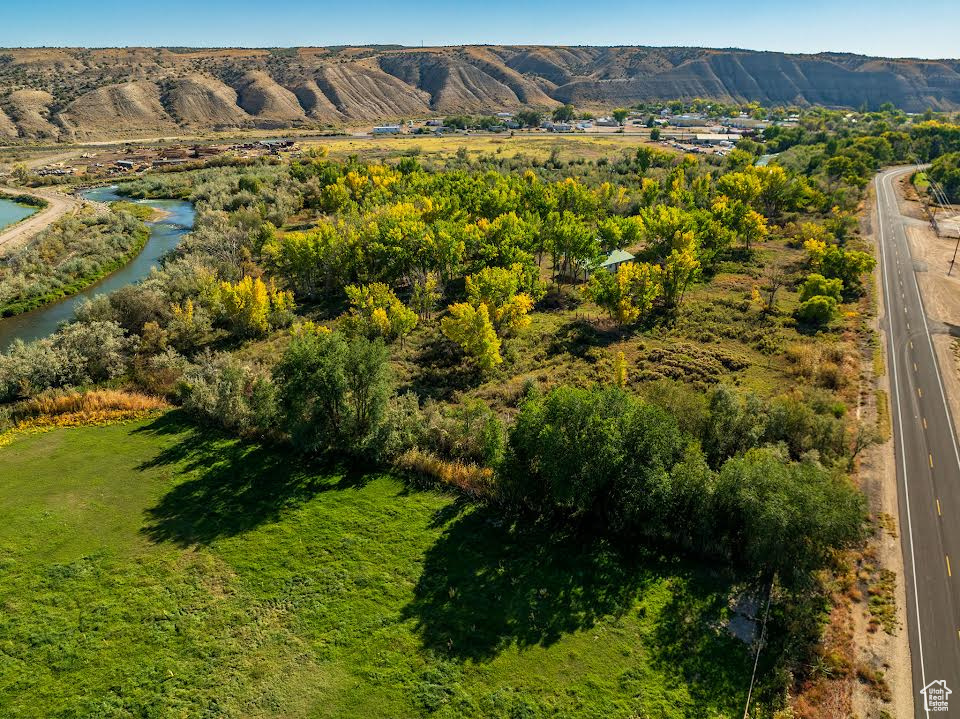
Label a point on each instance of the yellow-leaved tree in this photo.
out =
(628, 295)
(251, 307)
(500, 290)
(680, 268)
(471, 328)
(375, 311)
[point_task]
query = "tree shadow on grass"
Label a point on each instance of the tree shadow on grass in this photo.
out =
(488, 585)
(230, 486)
(691, 640)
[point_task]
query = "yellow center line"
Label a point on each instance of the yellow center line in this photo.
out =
(930, 457)
(914, 366)
(919, 392)
(949, 573)
(924, 422)
(911, 344)
(939, 513)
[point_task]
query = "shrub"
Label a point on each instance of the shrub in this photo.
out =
(819, 286)
(81, 353)
(75, 408)
(817, 311)
(468, 478)
(221, 391)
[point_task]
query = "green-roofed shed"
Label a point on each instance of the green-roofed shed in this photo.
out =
(615, 259)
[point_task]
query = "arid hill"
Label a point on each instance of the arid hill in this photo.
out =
(51, 93)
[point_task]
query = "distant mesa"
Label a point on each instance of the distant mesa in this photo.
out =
(60, 93)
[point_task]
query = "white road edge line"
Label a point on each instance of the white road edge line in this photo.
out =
(936, 366)
(903, 454)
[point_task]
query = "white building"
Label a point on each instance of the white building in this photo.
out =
(716, 138)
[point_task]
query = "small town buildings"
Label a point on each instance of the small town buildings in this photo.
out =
(386, 130)
(693, 119)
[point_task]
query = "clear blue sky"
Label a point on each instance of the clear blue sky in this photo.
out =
(883, 27)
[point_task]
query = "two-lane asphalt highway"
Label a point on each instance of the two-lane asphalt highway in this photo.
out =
(928, 463)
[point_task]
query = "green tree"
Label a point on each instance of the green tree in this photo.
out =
(564, 113)
(572, 243)
(426, 294)
(332, 393)
(945, 170)
(785, 518)
(621, 114)
(529, 118)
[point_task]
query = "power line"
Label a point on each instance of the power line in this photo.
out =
(756, 659)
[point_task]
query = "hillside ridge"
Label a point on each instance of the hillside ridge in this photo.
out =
(78, 93)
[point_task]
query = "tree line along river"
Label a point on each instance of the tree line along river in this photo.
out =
(165, 235)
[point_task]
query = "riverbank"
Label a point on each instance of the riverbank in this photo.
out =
(29, 318)
(16, 308)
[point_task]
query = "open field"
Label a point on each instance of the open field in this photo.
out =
(172, 573)
(538, 145)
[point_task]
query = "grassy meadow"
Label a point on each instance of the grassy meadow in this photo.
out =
(150, 569)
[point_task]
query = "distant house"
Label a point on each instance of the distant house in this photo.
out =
(386, 130)
(607, 122)
(124, 164)
(615, 259)
(505, 115)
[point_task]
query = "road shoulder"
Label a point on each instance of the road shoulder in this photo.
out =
(880, 649)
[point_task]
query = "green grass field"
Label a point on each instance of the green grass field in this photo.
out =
(153, 570)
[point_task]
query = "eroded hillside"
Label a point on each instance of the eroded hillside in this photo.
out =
(50, 93)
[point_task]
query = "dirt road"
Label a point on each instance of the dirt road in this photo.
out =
(58, 204)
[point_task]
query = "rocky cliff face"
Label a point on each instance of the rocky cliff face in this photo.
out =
(79, 94)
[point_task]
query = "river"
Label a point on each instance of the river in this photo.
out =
(12, 212)
(165, 235)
